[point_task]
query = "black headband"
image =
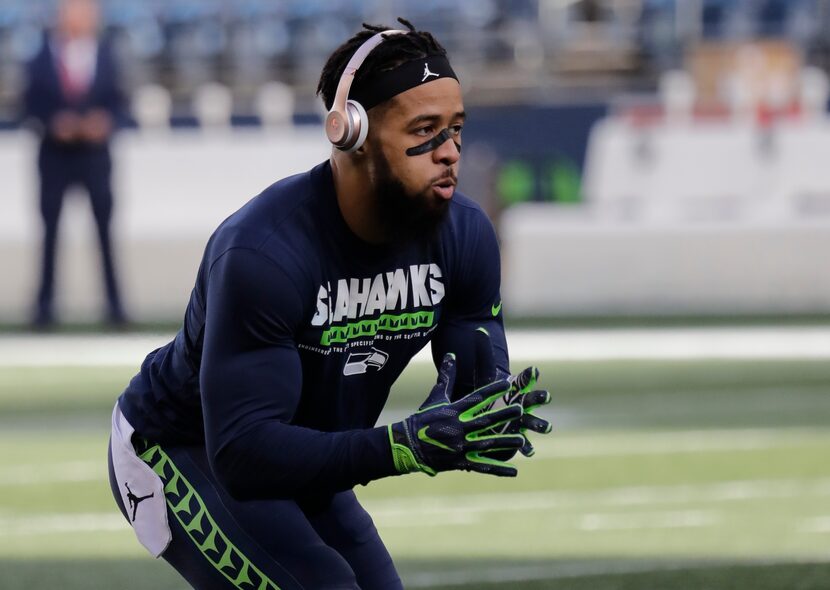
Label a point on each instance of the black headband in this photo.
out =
(382, 86)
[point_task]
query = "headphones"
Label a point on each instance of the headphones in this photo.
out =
(347, 123)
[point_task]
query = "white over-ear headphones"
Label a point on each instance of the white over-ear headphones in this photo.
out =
(347, 124)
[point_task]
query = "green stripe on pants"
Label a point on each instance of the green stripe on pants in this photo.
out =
(190, 510)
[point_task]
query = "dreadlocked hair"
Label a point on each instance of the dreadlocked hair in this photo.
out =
(395, 50)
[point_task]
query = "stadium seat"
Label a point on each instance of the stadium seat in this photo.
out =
(151, 106)
(213, 105)
(275, 104)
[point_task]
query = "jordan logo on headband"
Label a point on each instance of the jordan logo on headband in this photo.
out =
(427, 73)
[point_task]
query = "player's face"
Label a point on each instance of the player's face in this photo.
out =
(414, 189)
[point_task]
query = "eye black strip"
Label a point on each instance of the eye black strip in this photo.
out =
(432, 144)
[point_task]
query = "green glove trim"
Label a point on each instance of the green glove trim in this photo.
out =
(422, 434)
(403, 457)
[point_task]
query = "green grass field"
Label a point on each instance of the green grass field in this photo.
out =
(678, 475)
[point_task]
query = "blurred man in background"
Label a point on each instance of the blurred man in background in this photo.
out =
(73, 95)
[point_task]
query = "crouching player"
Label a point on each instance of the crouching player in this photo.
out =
(236, 447)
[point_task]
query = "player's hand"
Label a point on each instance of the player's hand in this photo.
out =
(444, 435)
(522, 392)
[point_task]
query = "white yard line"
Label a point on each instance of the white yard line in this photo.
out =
(786, 342)
(48, 524)
(666, 443)
(820, 524)
(590, 522)
(783, 342)
(68, 472)
(420, 508)
(82, 350)
(403, 519)
(648, 520)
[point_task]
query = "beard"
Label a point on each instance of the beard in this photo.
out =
(404, 215)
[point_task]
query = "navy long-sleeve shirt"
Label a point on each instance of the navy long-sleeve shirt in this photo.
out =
(296, 330)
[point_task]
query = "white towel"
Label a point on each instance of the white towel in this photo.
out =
(141, 488)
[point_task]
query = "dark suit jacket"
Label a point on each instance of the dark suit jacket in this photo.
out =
(44, 96)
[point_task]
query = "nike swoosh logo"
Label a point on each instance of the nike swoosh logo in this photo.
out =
(496, 309)
(422, 434)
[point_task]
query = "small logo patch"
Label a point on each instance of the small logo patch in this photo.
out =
(360, 362)
(134, 500)
(422, 434)
(427, 73)
(496, 309)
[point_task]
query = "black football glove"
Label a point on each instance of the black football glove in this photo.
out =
(444, 435)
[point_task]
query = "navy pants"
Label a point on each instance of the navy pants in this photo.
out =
(220, 543)
(60, 169)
